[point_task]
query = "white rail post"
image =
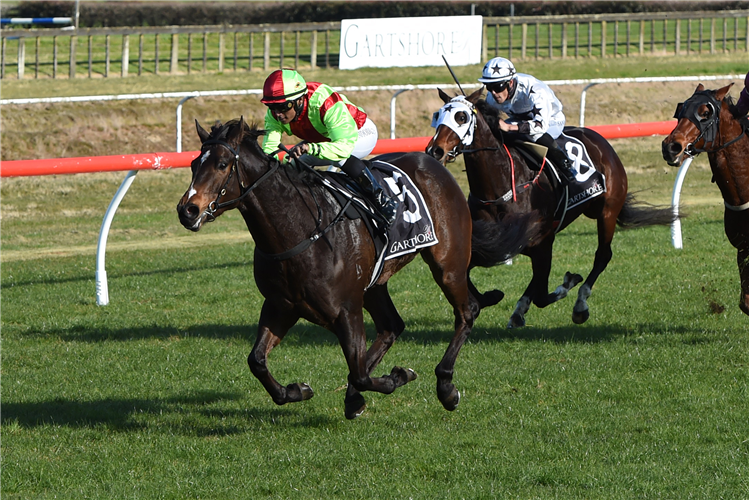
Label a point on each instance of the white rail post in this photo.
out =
(676, 224)
(102, 289)
(179, 121)
(392, 112)
(582, 103)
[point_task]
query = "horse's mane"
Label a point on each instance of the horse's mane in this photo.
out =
(250, 137)
(491, 116)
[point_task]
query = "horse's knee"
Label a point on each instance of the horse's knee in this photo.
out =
(258, 366)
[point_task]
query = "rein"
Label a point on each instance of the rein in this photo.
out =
(216, 205)
(317, 233)
(444, 117)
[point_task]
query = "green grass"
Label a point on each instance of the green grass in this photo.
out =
(151, 397)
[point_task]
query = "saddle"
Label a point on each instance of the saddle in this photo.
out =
(589, 182)
(413, 228)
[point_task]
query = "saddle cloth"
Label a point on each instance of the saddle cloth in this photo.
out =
(590, 182)
(413, 228)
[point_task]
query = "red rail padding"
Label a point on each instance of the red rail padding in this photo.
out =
(154, 161)
(635, 129)
(158, 161)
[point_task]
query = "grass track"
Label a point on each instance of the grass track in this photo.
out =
(151, 397)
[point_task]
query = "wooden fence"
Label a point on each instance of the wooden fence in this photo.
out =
(107, 52)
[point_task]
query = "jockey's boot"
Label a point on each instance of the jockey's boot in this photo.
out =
(563, 163)
(387, 206)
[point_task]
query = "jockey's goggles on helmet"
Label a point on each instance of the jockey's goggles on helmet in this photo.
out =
(280, 107)
(498, 86)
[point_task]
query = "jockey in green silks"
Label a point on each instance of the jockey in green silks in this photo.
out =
(335, 131)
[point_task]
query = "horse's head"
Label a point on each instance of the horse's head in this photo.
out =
(220, 174)
(699, 120)
(455, 124)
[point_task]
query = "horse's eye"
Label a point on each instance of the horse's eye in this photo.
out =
(222, 165)
(461, 118)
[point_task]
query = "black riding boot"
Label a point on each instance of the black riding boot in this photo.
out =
(562, 162)
(388, 207)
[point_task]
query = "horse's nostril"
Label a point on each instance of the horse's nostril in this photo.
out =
(192, 210)
(189, 211)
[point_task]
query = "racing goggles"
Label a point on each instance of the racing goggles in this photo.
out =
(497, 87)
(280, 107)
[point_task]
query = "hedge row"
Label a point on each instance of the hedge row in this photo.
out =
(98, 14)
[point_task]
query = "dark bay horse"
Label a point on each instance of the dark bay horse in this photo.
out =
(709, 123)
(496, 170)
(311, 262)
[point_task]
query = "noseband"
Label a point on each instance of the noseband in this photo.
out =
(217, 204)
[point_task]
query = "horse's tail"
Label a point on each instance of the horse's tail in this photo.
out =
(494, 242)
(637, 213)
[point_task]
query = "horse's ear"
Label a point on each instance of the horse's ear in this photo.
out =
(474, 98)
(445, 98)
(201, 132)
(721, 93)
(700, 88)
(238, 133)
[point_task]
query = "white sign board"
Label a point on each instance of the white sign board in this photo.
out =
(410, 41)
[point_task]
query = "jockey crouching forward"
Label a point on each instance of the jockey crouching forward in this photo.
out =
(533, 110)
(335, 130)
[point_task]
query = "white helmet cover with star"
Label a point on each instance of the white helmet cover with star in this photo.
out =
(498, 70)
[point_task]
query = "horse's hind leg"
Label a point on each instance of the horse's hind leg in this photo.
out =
(606, 228)
(537, 291)
(272, 327)
(488, 299)
(389, 326)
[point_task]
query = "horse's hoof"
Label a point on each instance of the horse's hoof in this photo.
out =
(307, 391)
(580, 317)
(516, 321)
(492, 298)
(402, 376)
(355, 406)
(297, 392)
(571, 280)
(449, 397)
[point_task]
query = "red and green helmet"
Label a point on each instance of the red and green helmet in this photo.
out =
(283, 85)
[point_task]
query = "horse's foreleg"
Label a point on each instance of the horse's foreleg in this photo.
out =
(465, 308)
(272, 327)
(742, 258)
(350, 331)
(606, 227)
(389, 326)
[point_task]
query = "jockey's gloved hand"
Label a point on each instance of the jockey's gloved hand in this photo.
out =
(299, 150)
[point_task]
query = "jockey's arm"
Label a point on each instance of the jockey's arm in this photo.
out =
(342, 132)
(274, 134)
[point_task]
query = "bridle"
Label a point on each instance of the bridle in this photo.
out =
(708, 127)
(217, 204)
(465, 131)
